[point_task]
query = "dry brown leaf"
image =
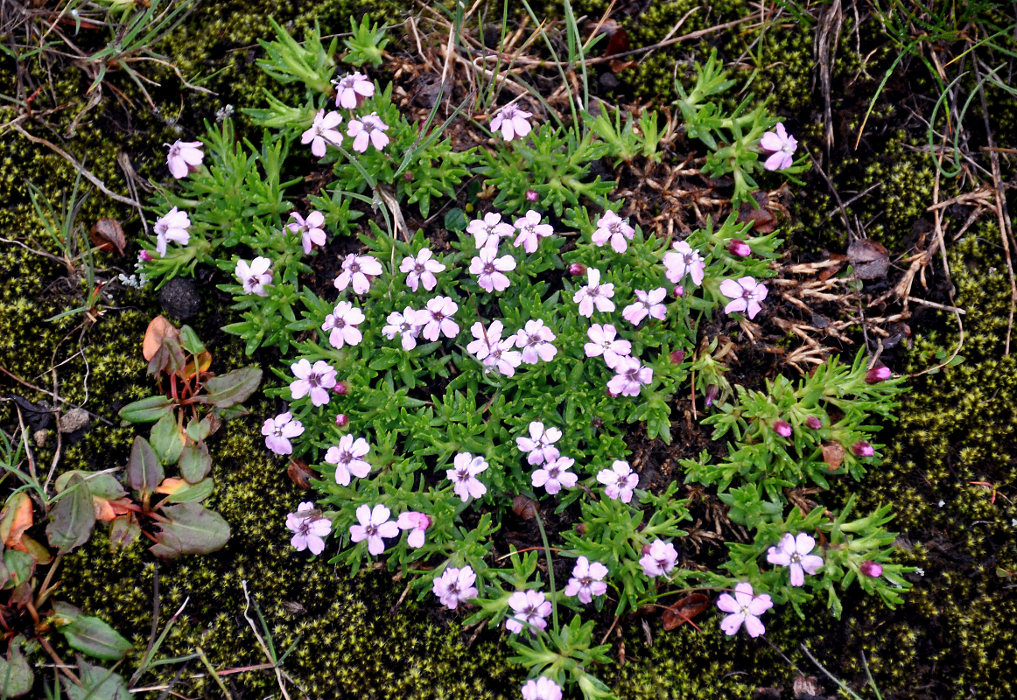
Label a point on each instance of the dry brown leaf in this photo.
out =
(108, 234)
(684, 610)
(158, 330)
(833, 455)
(870, 259)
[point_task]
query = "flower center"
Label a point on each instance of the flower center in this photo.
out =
(345, 457)
(489, 268)
(354, 267)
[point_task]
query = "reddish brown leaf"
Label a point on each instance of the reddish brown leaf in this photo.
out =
(15, 519)
(158, 330)
(829, 272)
(763, 220)
(299, 473)
(525, 507)
(684, 610)
(869, 258)
(108, 234)
(833, 455)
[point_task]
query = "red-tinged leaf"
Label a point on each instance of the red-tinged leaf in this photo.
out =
(684, 610)
(231, 388)
(36, 550)
(124, 531)
(103, 509)
(169, 358)
(72, 518)
(763, 220)
(190, 529)
(149, 409)
(108, 234)
(158, 330)
(15, 518)
(299, 473)
(195, 462)
(143, 470)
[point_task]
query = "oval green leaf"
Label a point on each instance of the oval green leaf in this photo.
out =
(92, 636)
(146, 410)
(231, 388)
(167, 439)
(73, 517)
(192, 529)
(144, 472)
(195, 463)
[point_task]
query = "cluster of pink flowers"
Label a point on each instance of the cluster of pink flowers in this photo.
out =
(375, 526)
(553, 474)
(455, 586)
(542, 688)
(368, 130)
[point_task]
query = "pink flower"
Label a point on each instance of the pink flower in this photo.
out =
(310, 229)
(368, 129)
(541, 689)
(532, 196)
(611, 227)
(684, 261)
(781, 146)
(782, 428)
(491, 350)
(342, 420)
(279, 430)
(417, 523)
(539, 445)
(347, 458)
(512, 122)
(863, 449)
(463, 476)
(594, 294)
(739, 248)
(587, 580)
(503, 358)
(172, 226)
(490, 269)
(555, 475)
(358, 271)
(490, 228)
(619, 481)
(630, 378)
(455, 586)
(603, 342)
(793, 552)
(421, 270)
(402, 324)
(877, 374)
(745, 295)
(352, 89)
(255, 276)
(647, 304)
(375, 527)
(316, 380)
(309, 528)
(323, 131)
(184, 157)
(531, 231)
(744, 608)
(342, 323)
(534, 340)
(871, 569)
(530, 610)
(659, 558)
(436, 319)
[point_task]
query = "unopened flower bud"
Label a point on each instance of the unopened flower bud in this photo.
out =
(871, 569)
(739, 248)
(814, 422)
(782, 428)
(678, 356)
(577, 269)
(532, 196)
(145, 256)
(342, 420)
(679, 291)
(597, 423)
(863, 449)
(877, 374)
(408, 176)
(711, 394)
(341, 388)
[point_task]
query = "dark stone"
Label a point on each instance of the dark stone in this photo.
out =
(179, 298)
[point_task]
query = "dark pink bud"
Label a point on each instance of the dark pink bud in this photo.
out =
(577, 269)
(145, 256)
(711, 394)
(814, 422)
(342, 420)
(408, 176)
(678, 356)
(782, 428)
(739, 248)
(532, 196)
(863, 449)
(341, 388)
(597, 423)
(871, 569)
(877, 374)
(679, 291)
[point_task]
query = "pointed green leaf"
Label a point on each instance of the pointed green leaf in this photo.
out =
(195, 463)
(167, 439)
(20, 566)
(97, 683)
(231, 388)
(191, 529)
(146, 410)
(92, 636)
(189, 339)
(16, 677)
(72, 518)
(144, 472)
(194, 493)
(103, 485)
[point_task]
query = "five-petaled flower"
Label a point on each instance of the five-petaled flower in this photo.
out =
(436, 319)
(619, 481)
(492, 350)
(531, 231)
(402, 324)
(184, 157)
(603, 342)
(254, 276)
(489, 230)
(683, 260)
(357, 271)
(745, 295)
(594, 294)
(587, 580)
(420, 270)
(539, 446)
(611, 227)
(323, 131)
(347, 457)
(351, 90)
(512, 122)
(647, 304)
(309, 528)
(455, 586)
(172, 226)
(369, 129)
(531, 607)
(542, 688)
(744, 607)
(490, 269)
(279, 430)
(316, 380)
(534, 340)
(659, 558)
(781, 146)
(793, 552)
(310, 229)
(555, 475)
(417, 523)
(463, 475)
(375, 527)
(342, 324)
(630, 378)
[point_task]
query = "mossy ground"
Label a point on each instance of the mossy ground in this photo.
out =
(954, 636)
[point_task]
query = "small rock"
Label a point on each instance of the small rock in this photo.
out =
(40, 436)
(75, 419)
(179, 297)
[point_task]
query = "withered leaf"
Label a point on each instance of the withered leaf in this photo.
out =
(299, 473)
(684, 610)
(763, 220)
(833, 455)
(525, 507)
(869, 258)
(158, 330)
(108, 234)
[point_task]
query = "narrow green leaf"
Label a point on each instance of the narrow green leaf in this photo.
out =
(146, 410)
(189, 339)
(72, 518)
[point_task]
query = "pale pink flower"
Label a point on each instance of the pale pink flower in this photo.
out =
(375, 527)
(369, 129)
(603, 342)
(484, 339)
(463, 475)
(358, 270)
(490, 269)
(323, 131)
(342, 324)
(745, 295)
(455, 586)
(503, 358)
(539, 446)
(310, 229)
(534, 340)
(184, 157)
(745, 607)
(316, 380)
(647, 304)
(594, 294)
(630, 378)
(347, 457)
(402, 324)
(172, 226)
(659, 558)
(489, 230)
(531, 231)
(611, 227)
(541, 689)
(619, 481)
(417, 524)
(782, 147)
(512, 122)
(254, 276)
(279, 430)
(587, 580)
(793, 552)
(531, 607)
(555, 475)
(309, 528)
(421, 269)
(436, 319)
(871, 569)
(351, 90)
(683, 260)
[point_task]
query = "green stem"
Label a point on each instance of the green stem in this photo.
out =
(550, 572)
